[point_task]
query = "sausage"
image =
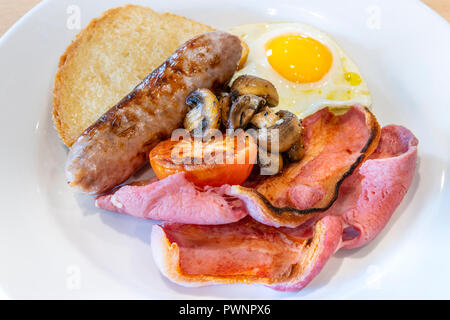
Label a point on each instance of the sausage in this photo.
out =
(117, 144)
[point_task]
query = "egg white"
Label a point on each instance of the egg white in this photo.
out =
(302, 99)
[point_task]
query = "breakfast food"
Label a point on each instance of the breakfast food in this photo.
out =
(244, 252)
(368, 198)
(109, 58)
(307, 67)
(335, 145)
(288, 258)
(115, 146)
(175, 199)
(280, 164)
(237, 154)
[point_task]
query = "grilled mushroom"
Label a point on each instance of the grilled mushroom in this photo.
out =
(289, 132)
(242, 110)
(265, 118)
(247, 84)
(297, 151)
(225, 105)
(271, 163)
(204, 114)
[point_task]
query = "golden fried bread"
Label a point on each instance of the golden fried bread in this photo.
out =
(109, 58)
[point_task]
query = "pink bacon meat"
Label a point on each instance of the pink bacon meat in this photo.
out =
(369, 197)
(175, 199)
(335, 146)
(287, 259)
(245, 251)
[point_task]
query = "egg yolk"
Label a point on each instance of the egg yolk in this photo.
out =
(299, 58)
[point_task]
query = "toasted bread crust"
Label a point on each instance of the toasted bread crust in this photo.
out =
(108, 58)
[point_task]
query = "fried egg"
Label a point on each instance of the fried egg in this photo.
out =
(308, 68)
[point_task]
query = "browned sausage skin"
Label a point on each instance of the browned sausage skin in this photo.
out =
(115, 146)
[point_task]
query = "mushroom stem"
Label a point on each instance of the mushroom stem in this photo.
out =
(242, 110)
(225, 105)
(204, 114)
(265, 118)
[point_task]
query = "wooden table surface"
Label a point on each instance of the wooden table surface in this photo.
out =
(11, 11)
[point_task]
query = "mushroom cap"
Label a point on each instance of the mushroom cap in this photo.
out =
(247, 84)
(283, 135)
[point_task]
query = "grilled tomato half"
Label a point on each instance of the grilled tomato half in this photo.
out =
(225, 160)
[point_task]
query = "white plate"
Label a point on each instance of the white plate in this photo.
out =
(55, 244)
